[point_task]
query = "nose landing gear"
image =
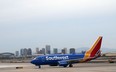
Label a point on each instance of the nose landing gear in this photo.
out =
(39, 66)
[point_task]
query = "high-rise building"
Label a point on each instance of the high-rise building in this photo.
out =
(55, 51)
(40, 52)
(64, 50)
(37, 50)
(48, 49)
(25, 52)
(17, 53)
(43, 50)
(21, 52)
(72, 50)
(29, 52)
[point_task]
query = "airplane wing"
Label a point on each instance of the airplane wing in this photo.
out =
(71, 61)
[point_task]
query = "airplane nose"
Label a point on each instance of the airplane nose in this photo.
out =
(33, 61)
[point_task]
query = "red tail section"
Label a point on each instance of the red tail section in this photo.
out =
(94, 50)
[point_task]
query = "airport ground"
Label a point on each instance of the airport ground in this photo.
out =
(81, 67)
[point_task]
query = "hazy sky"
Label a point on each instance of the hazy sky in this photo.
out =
(59, 23)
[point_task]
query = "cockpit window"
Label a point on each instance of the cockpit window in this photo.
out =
(35, 58)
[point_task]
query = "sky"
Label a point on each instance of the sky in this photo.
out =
(59, 23)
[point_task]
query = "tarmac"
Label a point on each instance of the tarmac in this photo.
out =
(80, 67)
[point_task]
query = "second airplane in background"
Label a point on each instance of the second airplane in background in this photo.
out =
(69, 59)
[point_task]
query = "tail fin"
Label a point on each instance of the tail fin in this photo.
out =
(95, 49)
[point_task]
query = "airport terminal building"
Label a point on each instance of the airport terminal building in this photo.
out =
(7, 55)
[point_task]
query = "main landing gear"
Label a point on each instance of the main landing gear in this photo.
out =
(70, 65)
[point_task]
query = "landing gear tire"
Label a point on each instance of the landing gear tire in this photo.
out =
(39, 66)
(70, 65)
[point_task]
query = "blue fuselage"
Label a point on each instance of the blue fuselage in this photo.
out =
(53, 59)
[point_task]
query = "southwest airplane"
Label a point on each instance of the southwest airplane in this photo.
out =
(69, 59)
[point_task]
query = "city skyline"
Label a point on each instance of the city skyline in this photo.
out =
(29, 52)
(65, 23)
(38, 50)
